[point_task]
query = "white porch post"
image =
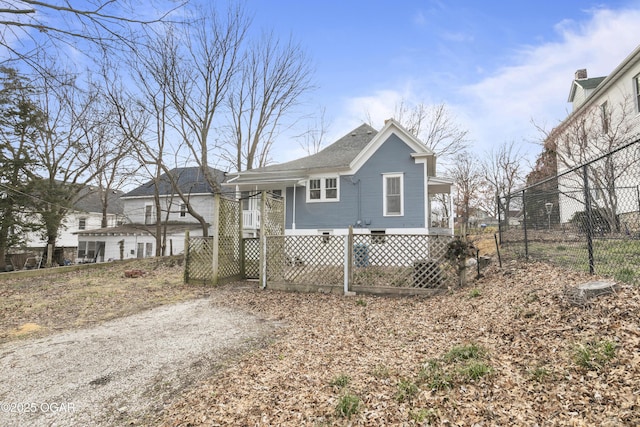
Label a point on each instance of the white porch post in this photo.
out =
(452, 214)
(293, 207)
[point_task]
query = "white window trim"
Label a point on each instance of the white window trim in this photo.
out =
(323, 189)
(153, 214)
(384, 193)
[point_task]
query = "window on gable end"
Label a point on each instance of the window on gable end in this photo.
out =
(183, 210)
(82, 224)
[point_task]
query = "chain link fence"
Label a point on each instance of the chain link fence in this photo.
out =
(587, 217)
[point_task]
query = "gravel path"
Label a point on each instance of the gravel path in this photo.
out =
(123, 371)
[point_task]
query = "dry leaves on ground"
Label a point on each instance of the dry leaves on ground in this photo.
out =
(365, 360)
(58, 299)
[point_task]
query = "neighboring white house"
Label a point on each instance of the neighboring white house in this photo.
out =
(606, 115)
(137, 237)
(86, 215)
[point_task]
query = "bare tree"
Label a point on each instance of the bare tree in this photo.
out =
(143, 112)
(502, 168)
(114, 165)
(435, 127)
(273, 78)
(312, 140)
(66, 147)
(204, 65)
(467, 176)
(29, 26)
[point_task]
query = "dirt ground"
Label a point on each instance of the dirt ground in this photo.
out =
(537, 359)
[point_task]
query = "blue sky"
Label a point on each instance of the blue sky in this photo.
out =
(498, 65)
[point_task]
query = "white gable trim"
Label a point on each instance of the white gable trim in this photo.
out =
(391, 126)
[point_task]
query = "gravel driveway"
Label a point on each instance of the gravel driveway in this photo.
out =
(123, 371)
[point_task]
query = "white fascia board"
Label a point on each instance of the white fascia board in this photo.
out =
(391, 126)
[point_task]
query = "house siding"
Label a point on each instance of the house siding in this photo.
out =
(619, 95)
(135, 208)
(361, 195)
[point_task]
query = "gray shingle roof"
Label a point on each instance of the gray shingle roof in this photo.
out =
(591, 83)
(89, 201)
(339, 154)
(190, 180)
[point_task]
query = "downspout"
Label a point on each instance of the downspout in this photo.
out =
(427, 201)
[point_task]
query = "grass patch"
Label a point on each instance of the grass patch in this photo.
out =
(340, 381)
(625, 275)
(381, 372)
(429, 416)
(475, 370)
(594, 355)
(475, 293)
(461, 364)
(464, 352)
(539, 374)
(433, 375)
(407, 390)
(348, 405)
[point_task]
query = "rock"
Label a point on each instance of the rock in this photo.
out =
(579, 295)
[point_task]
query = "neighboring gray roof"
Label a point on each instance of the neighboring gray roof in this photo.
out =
(586, 84)
(89, 201)
(190, 181)
(339, 154)
(591, 83)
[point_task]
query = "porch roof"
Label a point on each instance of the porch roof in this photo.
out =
(137, 230)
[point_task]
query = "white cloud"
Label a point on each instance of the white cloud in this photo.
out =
(536, 85)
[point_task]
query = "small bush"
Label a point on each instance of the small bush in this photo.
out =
(361, 303)
(348, 405)
(598, 224)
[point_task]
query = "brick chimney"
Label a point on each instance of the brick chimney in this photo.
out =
(581, 74)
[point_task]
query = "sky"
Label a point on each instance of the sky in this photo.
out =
(503, 68)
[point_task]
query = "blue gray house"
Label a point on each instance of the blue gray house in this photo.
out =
(376, 181)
